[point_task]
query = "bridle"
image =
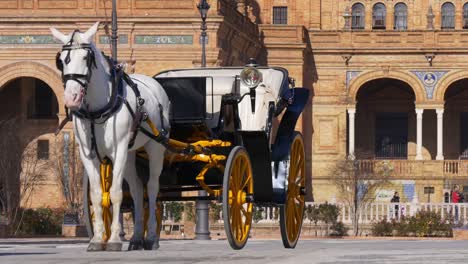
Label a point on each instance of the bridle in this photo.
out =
(82, 79)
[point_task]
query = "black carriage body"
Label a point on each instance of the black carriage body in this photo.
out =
(189, 95)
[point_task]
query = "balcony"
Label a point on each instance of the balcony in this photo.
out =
(419, 168)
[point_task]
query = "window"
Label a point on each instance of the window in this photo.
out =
(280, 15)
(378, 16)
(401, 14)
(43, 149)
(465, 16)
(448, 16)
(357, 14)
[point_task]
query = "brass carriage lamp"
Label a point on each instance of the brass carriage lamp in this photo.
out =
(251, 77)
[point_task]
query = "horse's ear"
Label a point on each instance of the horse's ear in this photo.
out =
(90, 33)
(59, 35)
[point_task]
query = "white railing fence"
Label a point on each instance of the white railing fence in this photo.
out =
(375, 212)
(371, 213)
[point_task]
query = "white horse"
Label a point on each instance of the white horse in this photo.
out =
(88, 88)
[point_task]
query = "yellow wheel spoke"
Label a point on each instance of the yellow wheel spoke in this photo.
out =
(247, 181)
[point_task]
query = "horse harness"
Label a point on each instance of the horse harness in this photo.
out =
(117, 75)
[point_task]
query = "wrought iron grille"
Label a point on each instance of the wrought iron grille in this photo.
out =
(280, 15)
(401, 17)
(378, 16)
(357, 16)
(448, 16)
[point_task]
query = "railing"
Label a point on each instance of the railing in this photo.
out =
(456, 167)
(396, 167)
(416, 168)
(375, 212)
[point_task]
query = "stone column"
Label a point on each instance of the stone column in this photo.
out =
(419, 119)
(440, 134)
(351, 115)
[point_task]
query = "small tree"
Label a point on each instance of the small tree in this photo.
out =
(357, 182)
(20, 172)
(328, 213)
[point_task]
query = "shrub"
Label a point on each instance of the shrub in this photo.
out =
(382, 228)
(175, 210)
(40, 221)
(215, 211)
(339, 229)
(189, 211)
(423, 224)
(257, 214)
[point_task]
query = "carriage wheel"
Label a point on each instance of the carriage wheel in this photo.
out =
(106, 182)
(237, 204)
(292, 212)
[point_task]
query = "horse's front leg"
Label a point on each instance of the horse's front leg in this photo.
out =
(92, 170)
(156, 157)
(115, 243)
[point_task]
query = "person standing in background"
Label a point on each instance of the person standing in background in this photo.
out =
(396, 199)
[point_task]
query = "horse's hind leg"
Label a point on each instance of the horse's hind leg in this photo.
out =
(136, 189)
(115, 243)
(156, 157)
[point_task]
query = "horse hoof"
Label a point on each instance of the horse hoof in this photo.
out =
(151, 245)
(114, 246)
(95, 247)
(136, 245)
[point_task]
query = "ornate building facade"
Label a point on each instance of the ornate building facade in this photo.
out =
(388, 77)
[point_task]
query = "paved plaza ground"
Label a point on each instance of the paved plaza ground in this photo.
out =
(325, 251)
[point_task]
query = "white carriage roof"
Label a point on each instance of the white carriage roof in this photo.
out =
(273, 78)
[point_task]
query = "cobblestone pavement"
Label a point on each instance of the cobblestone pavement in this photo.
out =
(326, 251)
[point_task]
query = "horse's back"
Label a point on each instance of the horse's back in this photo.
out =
(146, 82)
(156, 100)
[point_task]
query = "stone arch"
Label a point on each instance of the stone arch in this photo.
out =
(446, 81)
(36, 70)
(412, 81)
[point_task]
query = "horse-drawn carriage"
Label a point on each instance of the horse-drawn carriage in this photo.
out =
(181, 131)
(226, 139)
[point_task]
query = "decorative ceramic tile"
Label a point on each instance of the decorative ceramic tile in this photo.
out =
(350, 75)
(429, 79)
(164, 40)
(66, 158)
(123, 39)
(28, 39)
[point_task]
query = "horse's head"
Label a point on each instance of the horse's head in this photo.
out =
(76, 62)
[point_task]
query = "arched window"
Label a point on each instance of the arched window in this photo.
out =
(448, 16)
(465, 16)
(378, 16)
(358, 16)
(401, 17)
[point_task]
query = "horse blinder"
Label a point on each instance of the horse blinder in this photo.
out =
(58, 62)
